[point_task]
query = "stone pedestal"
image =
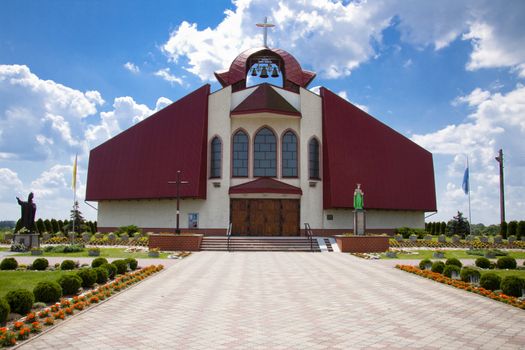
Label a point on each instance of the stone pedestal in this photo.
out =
(30, 240)
(359, 222)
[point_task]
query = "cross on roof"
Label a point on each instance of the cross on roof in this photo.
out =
(265, 27)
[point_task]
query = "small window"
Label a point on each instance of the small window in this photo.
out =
(313, 165)
(215, 160)
(289, 155)
(240, 154)
(265, 154)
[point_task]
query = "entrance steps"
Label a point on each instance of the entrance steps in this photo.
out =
(263, 244)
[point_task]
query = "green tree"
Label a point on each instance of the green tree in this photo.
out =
(443, 229)
(512, 228)
(54, 226)
(521, 229)
(47, 225)
(40, 226)
(60, 225)
(503, 229)
(458, 225)
(77, 220)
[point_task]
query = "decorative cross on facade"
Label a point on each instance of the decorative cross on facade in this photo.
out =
(177, 183)
(265, 27)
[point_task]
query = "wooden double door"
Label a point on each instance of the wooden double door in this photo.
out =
(265, 217)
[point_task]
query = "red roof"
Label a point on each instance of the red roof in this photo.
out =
(265, 99)
(394, 172)
(139, 162)
(238, 68)
(265, 185)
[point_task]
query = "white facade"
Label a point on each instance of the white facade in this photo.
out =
(214, 212)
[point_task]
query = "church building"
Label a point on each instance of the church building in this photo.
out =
(266, 159)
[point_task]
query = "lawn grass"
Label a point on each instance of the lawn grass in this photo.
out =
(458, 254)
(11, 280)
(505, 273)
(118, 253)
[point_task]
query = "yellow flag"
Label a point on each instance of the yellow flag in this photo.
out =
(74, 183)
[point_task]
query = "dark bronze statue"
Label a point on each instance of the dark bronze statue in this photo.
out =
(28, 212)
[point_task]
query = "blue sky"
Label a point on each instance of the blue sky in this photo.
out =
(449, 75)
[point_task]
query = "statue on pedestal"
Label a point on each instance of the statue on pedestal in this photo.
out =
(28, 212)
(358, 197)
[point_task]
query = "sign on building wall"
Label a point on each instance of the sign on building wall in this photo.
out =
(193, 220)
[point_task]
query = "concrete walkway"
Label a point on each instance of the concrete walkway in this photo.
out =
(215, 300)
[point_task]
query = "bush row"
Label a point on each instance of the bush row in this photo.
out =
(509, 285)
(21, 300)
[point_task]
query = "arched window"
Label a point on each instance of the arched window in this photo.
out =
(216, 158)
(289, 155)
(313, 159)
(265, 153)
(240, 154)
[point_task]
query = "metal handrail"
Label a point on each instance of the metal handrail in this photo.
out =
(229, 234)
(309, 234)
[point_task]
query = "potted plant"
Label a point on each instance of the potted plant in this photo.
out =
(154, 252)
(36, 251)
(94, 251)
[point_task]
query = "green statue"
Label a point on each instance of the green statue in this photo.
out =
(358, 197)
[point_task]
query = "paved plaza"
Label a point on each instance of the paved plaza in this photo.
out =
(269, 300)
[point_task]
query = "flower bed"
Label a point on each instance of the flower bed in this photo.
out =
(474, 244)
(35, 322)
(517, 302)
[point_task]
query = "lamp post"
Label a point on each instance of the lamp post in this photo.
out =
(499, 159)
(178, 182)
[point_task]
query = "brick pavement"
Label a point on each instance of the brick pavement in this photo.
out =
(215, 300)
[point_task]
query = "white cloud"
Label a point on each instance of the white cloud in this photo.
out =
(132, 67)
(336, 37)
(497, 121)
(344, 95)
(407, 63)
(10, 184)
(166, 75)
(31, 106)
(42, 125)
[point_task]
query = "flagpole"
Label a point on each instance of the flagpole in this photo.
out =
(469, 212)
(74, 190)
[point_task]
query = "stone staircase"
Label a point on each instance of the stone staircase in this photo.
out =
(244, 244)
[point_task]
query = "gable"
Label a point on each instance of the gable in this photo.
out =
(139, 162)
(395, 173)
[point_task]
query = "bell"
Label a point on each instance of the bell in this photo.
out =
(254, 72)
(275, 73)
(264, 73)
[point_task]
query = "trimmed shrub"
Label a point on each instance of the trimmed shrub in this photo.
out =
(70, 284)
(451, 268)
(111, 269)
(47, 292)
(490, 281)
(121, 265)
(5, 309)
(20, 301)
(88, 276)
(483, 263)
(438, 266)
(468, 272)
(506, 262)
(102, 275)
(512, 285)
(133, 263)
(454, 261)
(40, 264)
(424, 263)
(9, 264)
(67, 265)
(98, 261)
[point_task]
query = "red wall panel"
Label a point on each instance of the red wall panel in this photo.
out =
(139, 162)
(395, 173)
